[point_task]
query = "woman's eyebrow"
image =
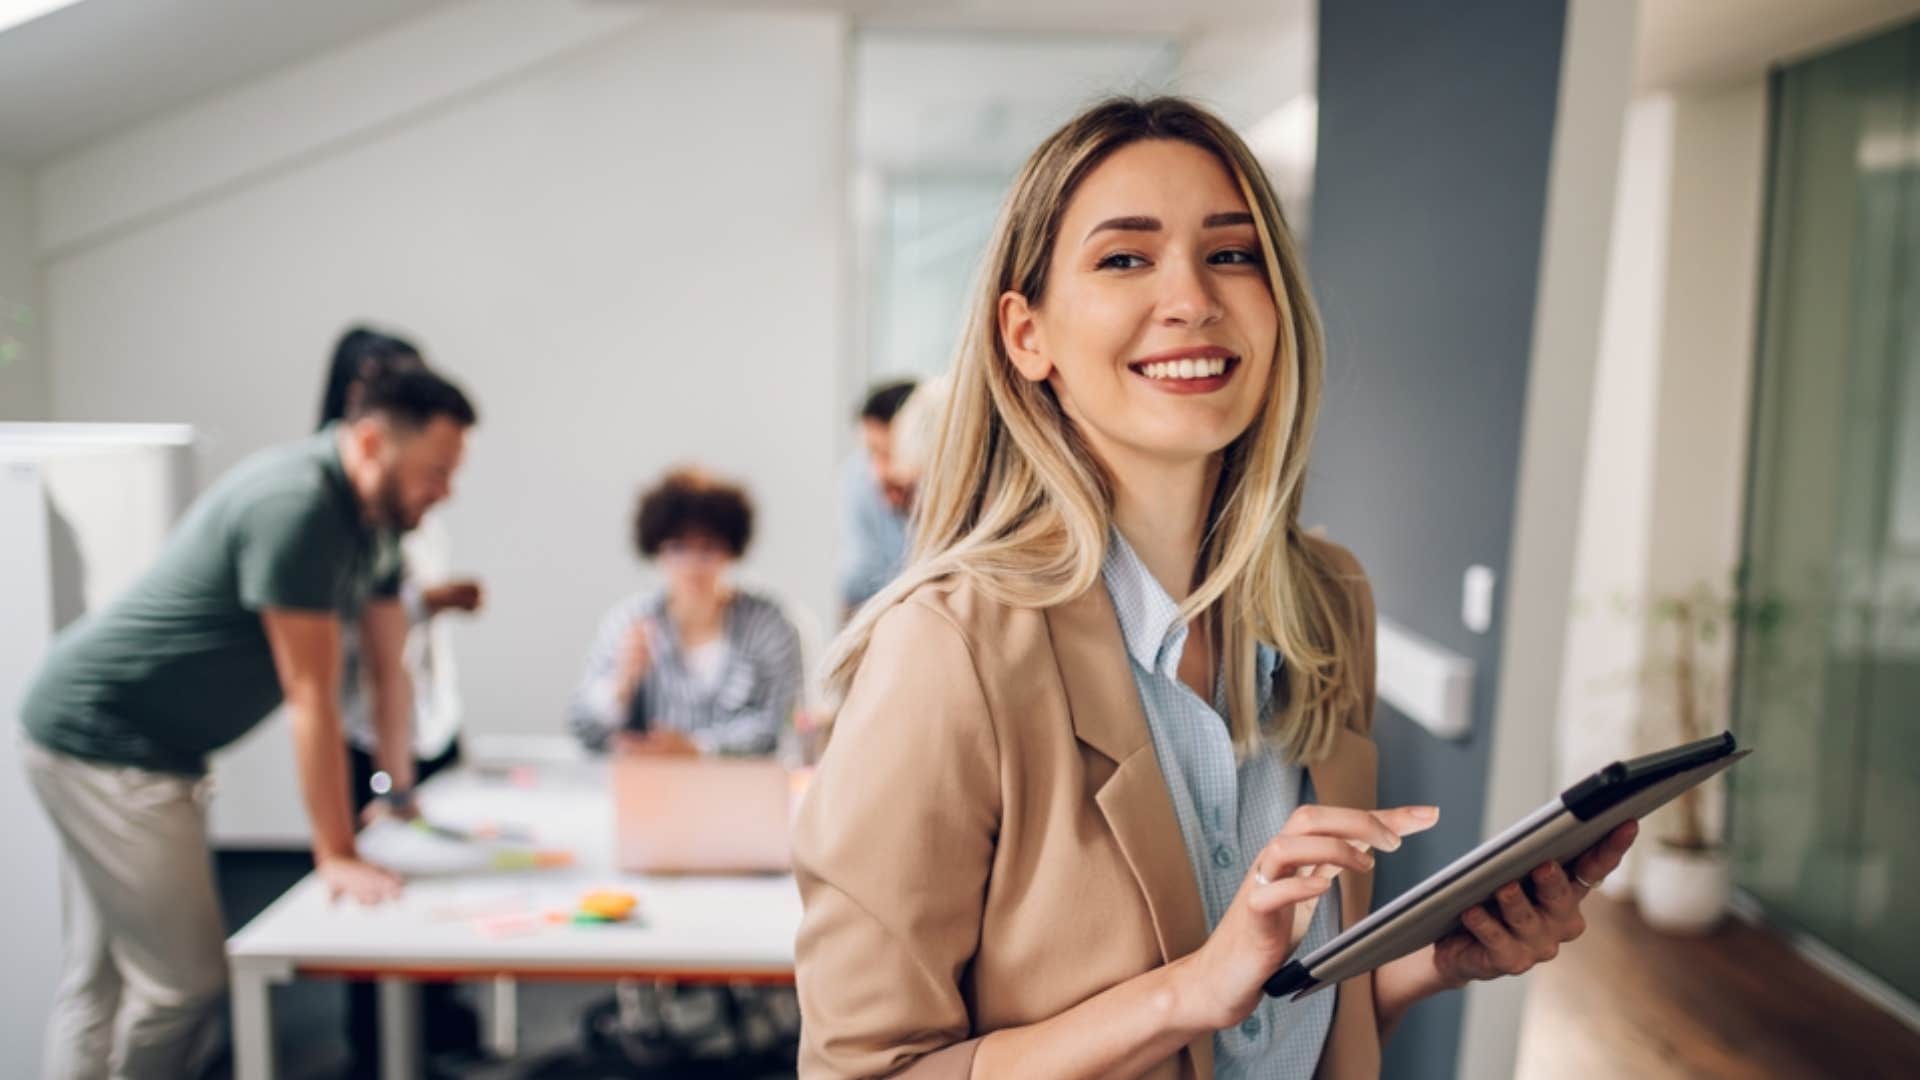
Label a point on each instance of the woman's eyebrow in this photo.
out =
(1130, 223)
(1144, 223)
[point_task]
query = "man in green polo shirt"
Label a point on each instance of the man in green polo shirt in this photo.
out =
(242, 611)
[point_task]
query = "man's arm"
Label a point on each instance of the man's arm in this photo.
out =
(383, 640)
(306, 654)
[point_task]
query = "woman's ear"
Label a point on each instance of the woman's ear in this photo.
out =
(1020, 336)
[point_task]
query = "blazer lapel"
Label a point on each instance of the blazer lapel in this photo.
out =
(1105, 706)
(1107, 716)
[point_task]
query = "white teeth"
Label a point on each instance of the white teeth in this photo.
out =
(1185, 369)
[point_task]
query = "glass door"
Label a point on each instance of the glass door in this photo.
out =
(1826, 816)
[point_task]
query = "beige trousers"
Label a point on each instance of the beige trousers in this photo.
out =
(145, 957)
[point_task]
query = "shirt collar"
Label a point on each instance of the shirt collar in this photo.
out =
(1149, 619)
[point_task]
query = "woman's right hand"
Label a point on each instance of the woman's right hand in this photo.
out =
(1224, 978)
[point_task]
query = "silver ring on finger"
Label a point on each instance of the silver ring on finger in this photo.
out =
(1584, 883)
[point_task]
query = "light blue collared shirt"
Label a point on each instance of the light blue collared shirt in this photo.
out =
(1228, 810)
(874, 534)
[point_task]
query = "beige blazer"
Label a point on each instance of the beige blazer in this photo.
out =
(988, 840)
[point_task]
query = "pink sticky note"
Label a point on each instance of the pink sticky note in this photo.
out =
(513, 924)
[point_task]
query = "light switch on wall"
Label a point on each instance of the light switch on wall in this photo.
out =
(1476, 599)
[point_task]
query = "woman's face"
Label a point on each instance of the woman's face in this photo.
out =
(696, 563)
(1158, 325)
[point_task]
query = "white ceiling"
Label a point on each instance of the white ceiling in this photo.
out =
(98, 66)
(1170, 17)
(1703, 43)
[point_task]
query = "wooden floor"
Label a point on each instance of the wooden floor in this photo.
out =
(1624, 1001)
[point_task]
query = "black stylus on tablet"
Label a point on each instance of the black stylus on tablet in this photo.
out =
(1561, 831)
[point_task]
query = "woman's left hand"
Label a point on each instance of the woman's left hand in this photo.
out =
(1528, 931)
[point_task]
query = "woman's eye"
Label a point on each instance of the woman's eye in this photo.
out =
(1121, 260)
(1234, 257)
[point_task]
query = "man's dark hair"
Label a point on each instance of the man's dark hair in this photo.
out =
(687, 502)
(362, 353)
(885, 399)
(410, 399)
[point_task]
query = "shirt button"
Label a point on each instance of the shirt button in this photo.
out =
(1222, 857)
(1250, 1027)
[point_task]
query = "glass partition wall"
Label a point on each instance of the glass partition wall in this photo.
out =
(1826, 816)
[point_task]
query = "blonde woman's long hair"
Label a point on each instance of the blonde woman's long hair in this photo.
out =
(1014, 502)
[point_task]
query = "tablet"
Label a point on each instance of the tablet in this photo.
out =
(1561, 831)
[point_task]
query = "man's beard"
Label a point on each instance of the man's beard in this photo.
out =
(394, 512)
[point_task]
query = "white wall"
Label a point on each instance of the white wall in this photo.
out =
(620, 228)
(1246, 72)
(1263, 80)
(1707, 340)
(1599, 693)
(1703, 403)
(1667, 460)
(23, 378)
(1582, 182)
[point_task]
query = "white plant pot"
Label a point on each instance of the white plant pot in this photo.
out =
(1681, 891)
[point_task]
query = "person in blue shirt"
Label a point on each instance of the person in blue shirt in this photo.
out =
(874, 504)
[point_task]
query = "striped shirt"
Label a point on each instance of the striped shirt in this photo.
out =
(741, 710)
(1227, 809)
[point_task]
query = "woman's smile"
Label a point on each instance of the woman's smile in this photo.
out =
(1204, 369)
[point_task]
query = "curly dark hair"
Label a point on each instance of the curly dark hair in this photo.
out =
(689, 501)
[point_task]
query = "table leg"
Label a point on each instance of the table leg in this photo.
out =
(399, 1028)
(252, 1005)
(503, 1019)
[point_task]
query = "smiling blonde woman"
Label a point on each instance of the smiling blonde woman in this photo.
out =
(1102, 762)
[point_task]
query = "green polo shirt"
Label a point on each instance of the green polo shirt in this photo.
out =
(178, 666)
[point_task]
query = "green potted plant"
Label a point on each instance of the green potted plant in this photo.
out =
(1684, 876)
